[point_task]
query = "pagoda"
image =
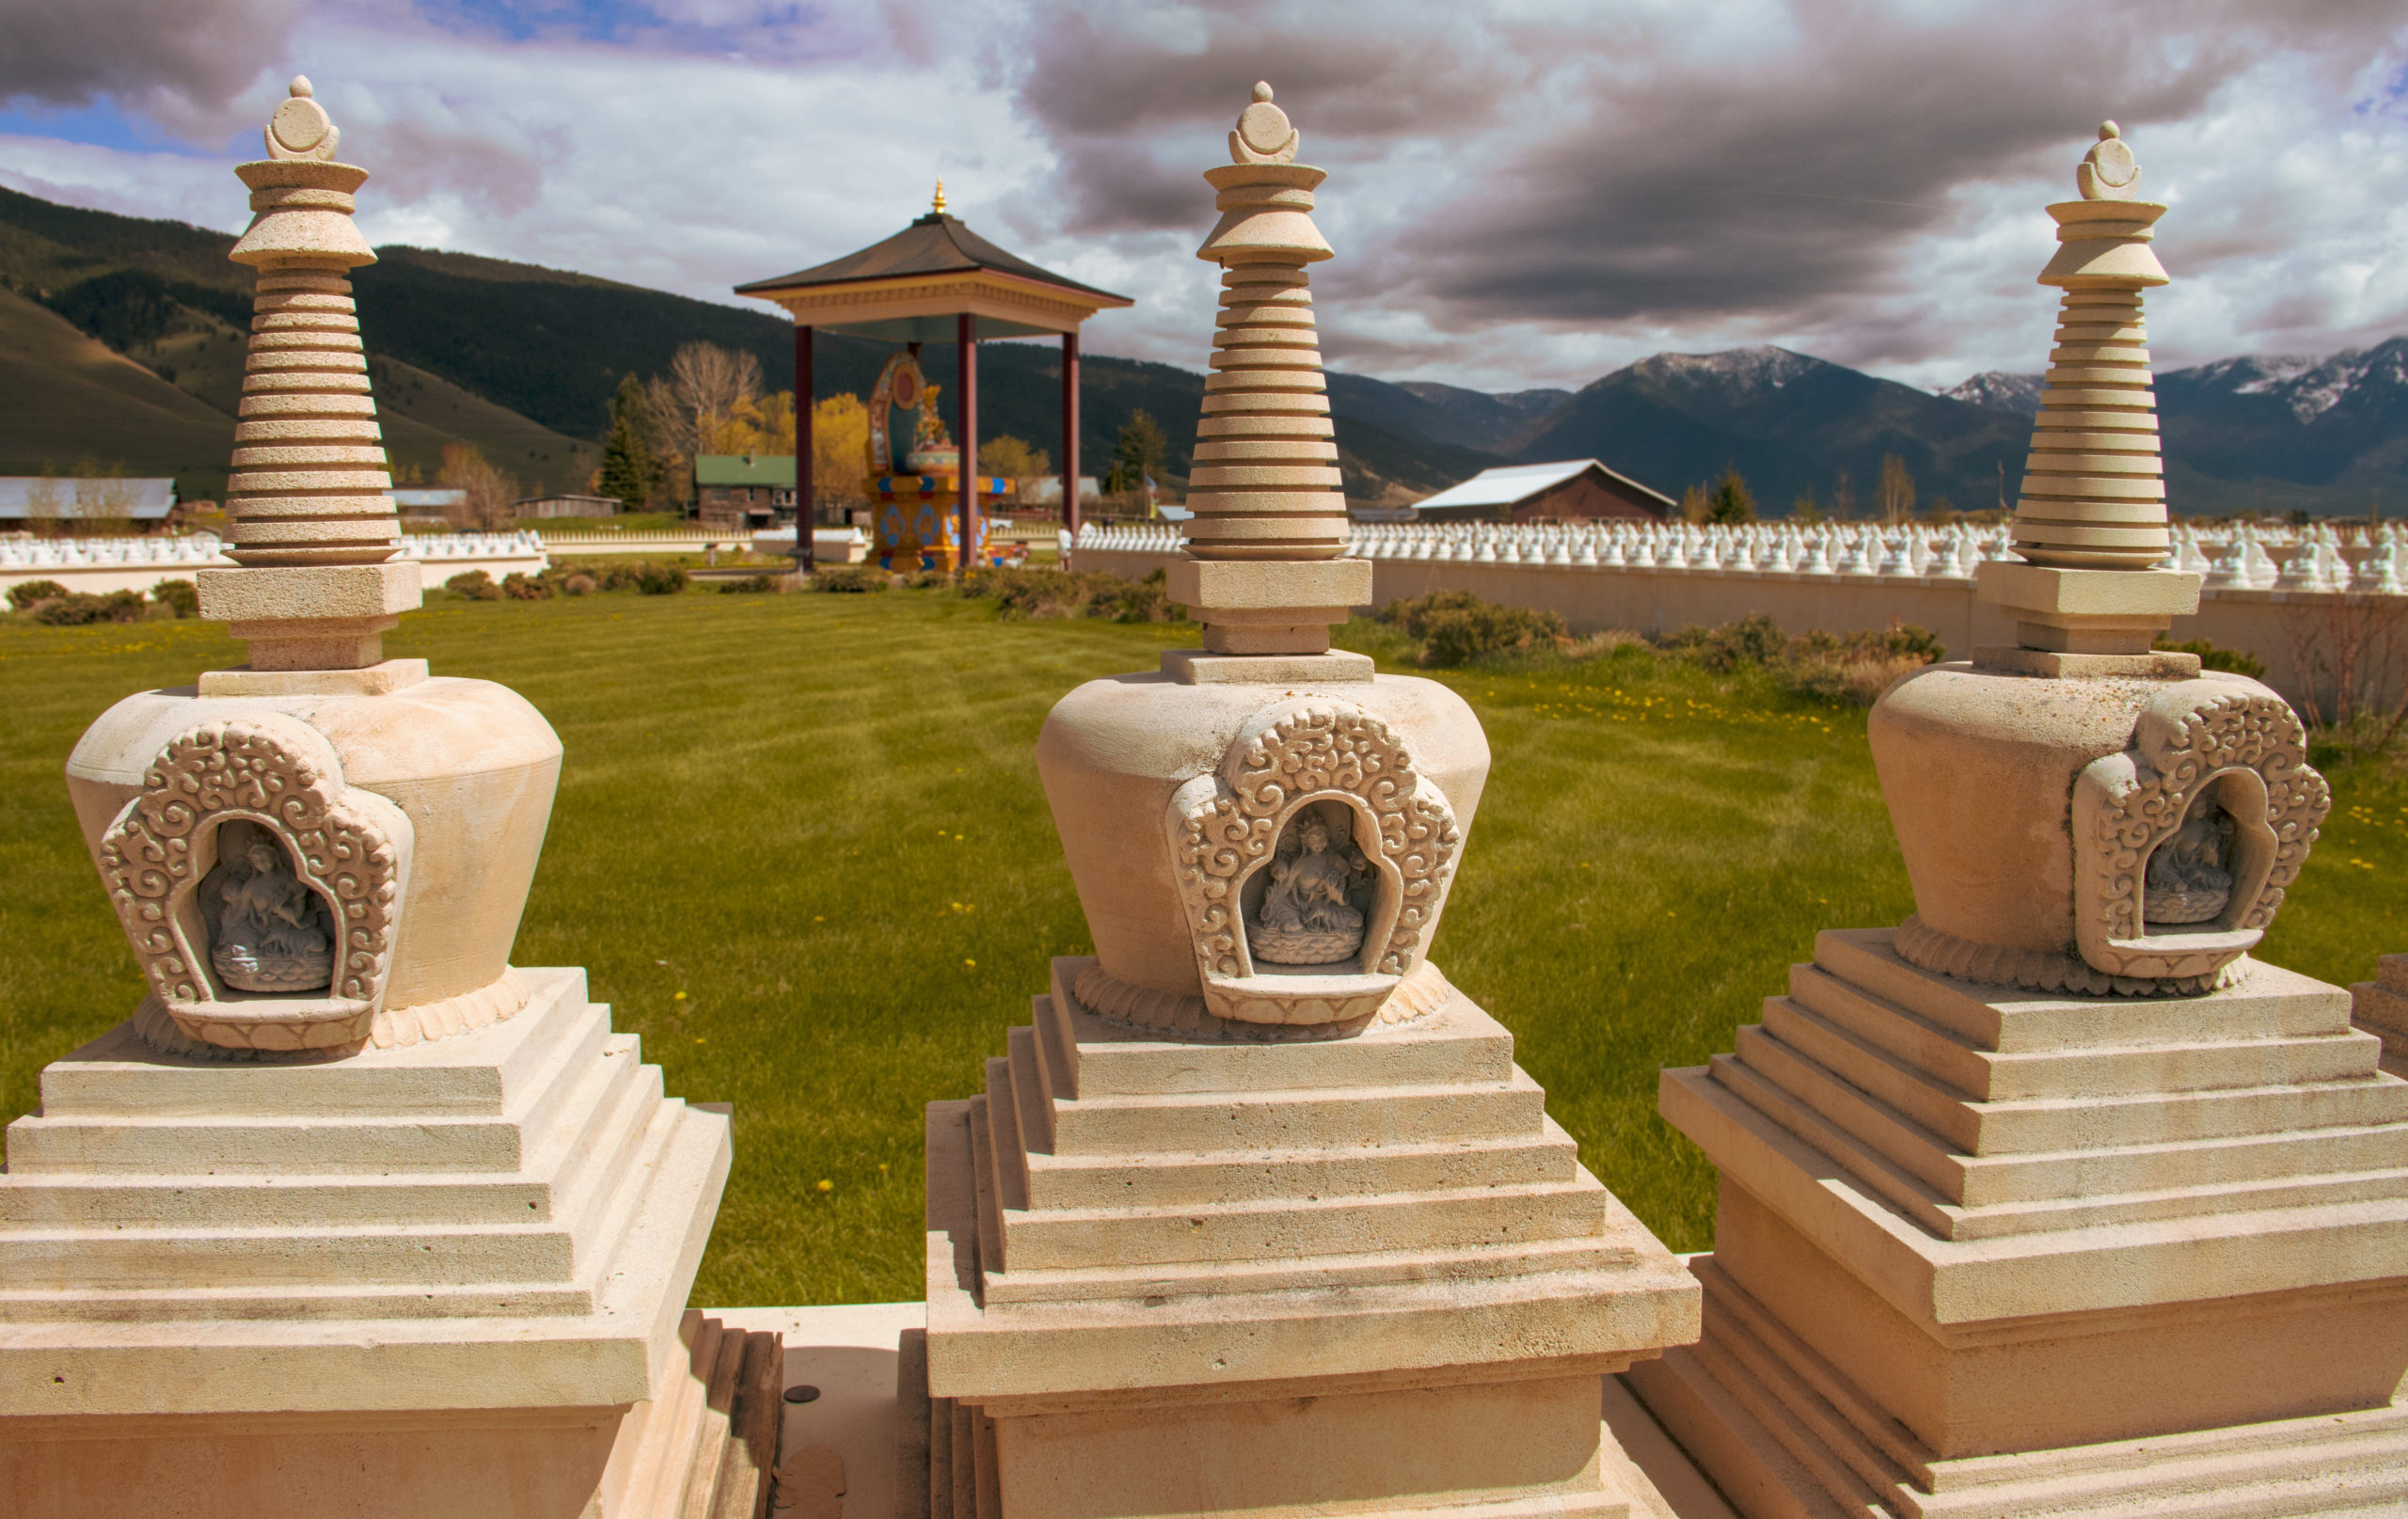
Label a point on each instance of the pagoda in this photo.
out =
(934, 281)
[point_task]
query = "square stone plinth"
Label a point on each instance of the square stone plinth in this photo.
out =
(441, 1279)
(1988, 1251)
(310, 592)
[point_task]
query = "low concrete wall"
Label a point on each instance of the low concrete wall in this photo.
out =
(99, 566)
(2271, 626)
(657, 541)
(828, 546)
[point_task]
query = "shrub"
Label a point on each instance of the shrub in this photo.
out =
(614, 574)
(1145, 601)
(1612, 640)
(1047, 592)
(518, 587)
(76, 610)
(1859, 680)
(1839, 667)
(1753, 639)
(661, 579)
(1456, 628)
(182, 595)
(750, 585)
(33, 593)
(474, 584)
(851, 579)
(2212, 658)
(1899, 643)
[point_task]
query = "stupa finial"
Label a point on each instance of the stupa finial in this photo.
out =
(2108, 171)
(937, 206)
(308, 504)
(1265, 484)
(1263, 135)
(300, 127)
(2094, 492)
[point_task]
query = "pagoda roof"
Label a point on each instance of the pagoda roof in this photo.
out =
(910, 288)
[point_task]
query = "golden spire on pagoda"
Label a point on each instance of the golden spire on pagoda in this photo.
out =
(938, 206)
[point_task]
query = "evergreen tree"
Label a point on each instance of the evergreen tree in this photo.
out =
(1140, 449)
(1137, 459)
(1731, 502)
(627, 461)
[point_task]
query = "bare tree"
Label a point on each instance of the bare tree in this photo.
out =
(2349, 653)
(1895, 491)
(690, 406)
(104, 505)
(489, 497)
(42, 505)
(708, 383)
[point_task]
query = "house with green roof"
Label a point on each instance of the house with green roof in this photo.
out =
(744, 490)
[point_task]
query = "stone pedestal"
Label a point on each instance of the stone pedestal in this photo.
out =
(1257, 1215)
(351, 1216)
(1173, 1274)
(1985, 1251)
(441, 1279)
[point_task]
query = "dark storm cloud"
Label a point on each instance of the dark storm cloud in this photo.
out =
(179, 60)
(1615, 169)
(1686, 191)
(1126, 109)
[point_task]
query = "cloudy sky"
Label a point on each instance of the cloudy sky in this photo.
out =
(1521, 192)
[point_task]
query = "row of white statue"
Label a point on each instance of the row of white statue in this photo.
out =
(197, 548)
(2239, 556)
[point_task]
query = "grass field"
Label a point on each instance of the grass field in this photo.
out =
(801, 847)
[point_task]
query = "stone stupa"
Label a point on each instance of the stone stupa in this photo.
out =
(351, 1216)
(1259, 1214)
(2053, 1199)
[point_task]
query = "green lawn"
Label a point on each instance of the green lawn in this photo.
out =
(801, 847)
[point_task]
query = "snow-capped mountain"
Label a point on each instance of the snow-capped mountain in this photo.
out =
(2000, 391)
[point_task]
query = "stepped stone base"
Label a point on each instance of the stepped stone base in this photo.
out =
(1984, 1251)
(2380, 1006)
(1786, 1435)
(448, 1278)
(1365, 1274)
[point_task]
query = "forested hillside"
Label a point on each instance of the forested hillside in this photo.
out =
(121, 344)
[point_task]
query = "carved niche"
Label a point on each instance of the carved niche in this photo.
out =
(2185, 842)
(1315, 832)
(244, 840)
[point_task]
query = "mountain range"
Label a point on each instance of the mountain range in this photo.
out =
(121, 344)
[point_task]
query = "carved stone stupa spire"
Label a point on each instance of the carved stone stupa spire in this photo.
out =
(310, 505)
(1265, 486)
(2094, 489)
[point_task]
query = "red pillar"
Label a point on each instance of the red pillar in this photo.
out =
(805, 551)
(1070, 434)
(967, 336)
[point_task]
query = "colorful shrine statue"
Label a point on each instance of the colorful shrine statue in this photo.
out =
(918, 526)
(901, 385)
